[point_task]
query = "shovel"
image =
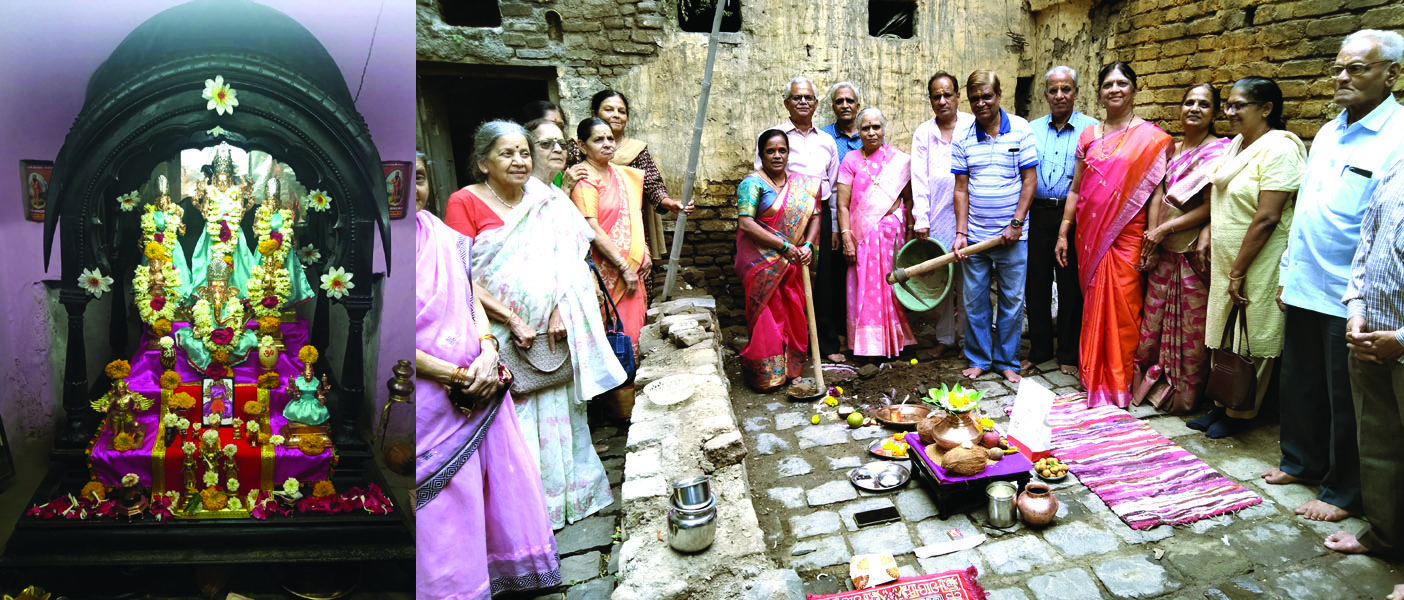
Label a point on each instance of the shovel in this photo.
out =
(900, 275)
(797, 391)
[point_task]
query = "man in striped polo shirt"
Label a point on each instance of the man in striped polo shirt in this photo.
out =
(995, 162)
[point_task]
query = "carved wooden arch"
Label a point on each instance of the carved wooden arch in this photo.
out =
(138, 115)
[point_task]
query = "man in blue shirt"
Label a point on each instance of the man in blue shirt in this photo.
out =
(1347, 158)
(844, 98)
(994, 161)
(1057, 135)
(846, 102)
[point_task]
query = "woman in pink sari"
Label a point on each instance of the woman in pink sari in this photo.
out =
(477, 487)
(874, 210)
(775, 237)
(1120, 165)
(611, 198)
(1172, 365)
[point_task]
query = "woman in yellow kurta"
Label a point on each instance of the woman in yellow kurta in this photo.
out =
(1249, 216)
(611, 198)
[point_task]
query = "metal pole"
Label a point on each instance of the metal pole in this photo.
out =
(693, 153)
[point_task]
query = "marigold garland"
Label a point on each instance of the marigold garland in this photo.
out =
(169, 380)
(95, 490)
(162, 327)
(182, 401)
(323, 489)
(118, 369)
(213, 499)
(269, 325)
(267, 247)
(123, 442)
(308, 355)
(155, 252)
(270, 380)
(221, 356)
(253, 408)
(311, 445)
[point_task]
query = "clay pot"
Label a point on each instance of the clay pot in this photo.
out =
(951, 431)
(1037, 504)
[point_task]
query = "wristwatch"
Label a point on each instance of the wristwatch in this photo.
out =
(1015, 223)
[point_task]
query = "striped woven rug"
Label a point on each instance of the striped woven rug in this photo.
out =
(1144, 477)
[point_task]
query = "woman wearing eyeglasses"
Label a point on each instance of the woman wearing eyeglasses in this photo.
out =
(1250, 214)
(1120, 165)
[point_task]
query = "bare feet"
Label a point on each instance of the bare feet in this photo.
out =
(973, 372)
(837, 357)
(1025, 365)
(1068, 369)
(1398, 593)
(1011, 375)
(1346, 543)
(940, 349)
(1280, 477)
(1317, 510)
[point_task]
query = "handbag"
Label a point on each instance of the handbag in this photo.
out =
(619, 341)
(1233, 382)
(537, 368)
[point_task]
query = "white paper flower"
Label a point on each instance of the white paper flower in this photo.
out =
(253, 497)
(169, 420)
(96, 283)
(317, 200)
(232, 485)
(130, 479)
(290, 486)
(129, 201)
(188, 447)
(210, 437)
(309, 254)
(253, 427)
(337, 282)
(229, 450)
(235, 504)
(276, 440)
(211, 478)
(167, 342)
(220, 95)
(197, 426)
(212, 419)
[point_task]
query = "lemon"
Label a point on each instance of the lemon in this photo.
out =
(814, 419)
(855, 420)
(830, 400)
(914, 361)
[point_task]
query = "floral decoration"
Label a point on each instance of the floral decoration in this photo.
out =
(211, 478)
(154, 251)
(188, 447)
(130, 480)
(291, 486)
(268, 326)
(308, 354)
(213, 419)
(232, 485)
(276, 440)
(954, 400)
(209, 438)
(128, 201)
(337, 282)
(182, 401)
(94, 282)
(311, 445)
(253, 427)
(94, 490)
(167, 342)
(323, 488)
(317, 200)
(118, 369)
(222, 97)
(254, 408)
(234, 503)
(169, 381)
(230, 450)
(309, 254)
(159, 247)
(212, 499)
(223, 337)
(124, 442)
(169, 420)
(270, 288)
(183, 423)
(162, 327)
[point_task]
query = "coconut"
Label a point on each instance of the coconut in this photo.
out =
(964, 461)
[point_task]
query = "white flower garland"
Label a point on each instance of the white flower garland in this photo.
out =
(204, 323)
(224, 205)
(141, 288)
(282, 283)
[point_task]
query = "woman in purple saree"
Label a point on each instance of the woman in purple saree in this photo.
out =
(478, 494)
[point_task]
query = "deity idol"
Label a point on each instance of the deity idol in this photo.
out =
(223, 204)
(217, 339)
(162, 281)
(309, 406)
(278, 283)
(118, 407)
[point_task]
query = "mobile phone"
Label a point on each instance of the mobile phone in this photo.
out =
(876, 516)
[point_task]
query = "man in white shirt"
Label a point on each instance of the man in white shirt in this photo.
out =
(933, 192)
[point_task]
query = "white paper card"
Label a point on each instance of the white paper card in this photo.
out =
(1029, 421)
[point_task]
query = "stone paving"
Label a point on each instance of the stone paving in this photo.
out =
(805, 505)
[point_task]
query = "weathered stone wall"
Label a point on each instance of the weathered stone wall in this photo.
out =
(1174, 44)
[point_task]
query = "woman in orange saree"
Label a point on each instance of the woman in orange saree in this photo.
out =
(775, 238)
(1120, 165)
(611, 198)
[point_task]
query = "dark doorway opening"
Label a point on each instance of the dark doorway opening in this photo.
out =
(892, 18)
(455, 99)
(1023, 96)
(471, 13)
(696, 15)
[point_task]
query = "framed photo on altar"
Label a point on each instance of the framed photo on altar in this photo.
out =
(34, 187)
(399, 186)
(218, 399)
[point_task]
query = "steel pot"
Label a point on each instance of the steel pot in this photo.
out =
(692, 529)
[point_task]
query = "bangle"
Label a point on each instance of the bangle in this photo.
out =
(1068, 221)
(1239, 278)
(459, 376)
(490, 338)
(786, 247)
(962, 233)
(846, 231)
(809, 245)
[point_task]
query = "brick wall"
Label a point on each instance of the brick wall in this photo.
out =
(1176, 43)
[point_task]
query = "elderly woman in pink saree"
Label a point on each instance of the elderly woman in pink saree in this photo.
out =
(1120, 166)
(874, 210)
(1172, 365)
(775, 237)
(477, 487)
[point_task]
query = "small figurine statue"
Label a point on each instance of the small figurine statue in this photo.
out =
(118, 405)
(309, 404)
(223, 204)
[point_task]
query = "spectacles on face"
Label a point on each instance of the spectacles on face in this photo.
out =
(1233, 107)
(799, 99)
(982, 99)
(1355, 69)
(549, 144)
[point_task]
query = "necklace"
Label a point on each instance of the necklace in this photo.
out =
(1119, 143)
(784, 181)
(499, 198)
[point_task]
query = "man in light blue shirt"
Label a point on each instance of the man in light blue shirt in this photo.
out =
(1347, 157)
(1056, 134)
(846, 102)
(994, 162)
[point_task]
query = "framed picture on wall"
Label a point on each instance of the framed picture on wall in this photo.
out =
(399, 185)
(34, 187)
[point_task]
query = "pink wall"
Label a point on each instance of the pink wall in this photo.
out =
(49, 49)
